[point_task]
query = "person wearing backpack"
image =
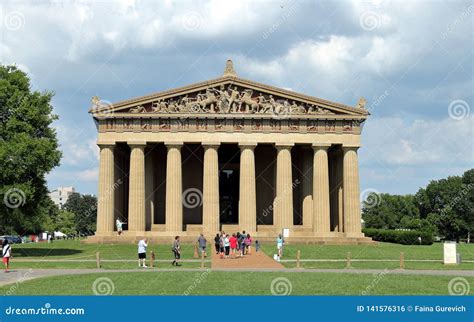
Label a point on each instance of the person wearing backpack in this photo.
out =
(6, 254)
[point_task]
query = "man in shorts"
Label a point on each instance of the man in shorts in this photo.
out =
(142, 245)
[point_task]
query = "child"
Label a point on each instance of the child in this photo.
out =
(6, 254)
(248, 244)
(257, 247)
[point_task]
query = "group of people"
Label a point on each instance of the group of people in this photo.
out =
(235, 245)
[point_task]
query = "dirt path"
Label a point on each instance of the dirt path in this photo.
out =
(250, 261)
(20, 275)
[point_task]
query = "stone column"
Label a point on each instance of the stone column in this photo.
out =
(149, 190)
(307, 188)
(247, 189)
(174, 189)
(283, 205)
(210, 206)
(352, 225)
(105, 203)
(136, 190)
(321, 219)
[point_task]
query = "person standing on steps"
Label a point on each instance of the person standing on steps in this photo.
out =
(176, 251)
(142, 245)
(119, 225)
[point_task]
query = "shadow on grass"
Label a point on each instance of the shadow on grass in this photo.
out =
(40, 252)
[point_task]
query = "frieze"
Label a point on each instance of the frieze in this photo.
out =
(191, 124)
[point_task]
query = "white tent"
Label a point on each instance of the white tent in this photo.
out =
(59, 234)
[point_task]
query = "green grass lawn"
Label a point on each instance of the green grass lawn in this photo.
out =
(378, 251)
(242, 283)
(70, 249)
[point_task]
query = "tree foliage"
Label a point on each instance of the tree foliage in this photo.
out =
(445, 207)
(84, 208)
(28, 151)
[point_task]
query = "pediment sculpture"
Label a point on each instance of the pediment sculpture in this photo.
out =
(228, 100)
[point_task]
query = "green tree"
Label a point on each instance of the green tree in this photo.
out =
(390, 211)
(28, 151)
(84, 208)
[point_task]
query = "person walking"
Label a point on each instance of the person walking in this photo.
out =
(202, 241)
(233, 246)
(176, 251)
(248, 244)
(257, 247)
(216, 243)
(280, 242)
(142, 245)
(221, 246)
(242, 243)
(6, 254)
(227, 246)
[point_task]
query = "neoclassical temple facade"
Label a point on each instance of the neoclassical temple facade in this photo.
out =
(229, 154)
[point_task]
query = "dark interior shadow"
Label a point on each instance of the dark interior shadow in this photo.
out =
(41, 252)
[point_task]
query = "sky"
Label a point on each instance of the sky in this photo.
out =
(412, 61)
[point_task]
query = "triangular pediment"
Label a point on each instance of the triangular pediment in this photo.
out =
(228, 95)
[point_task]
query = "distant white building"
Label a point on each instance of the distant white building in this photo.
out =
(60, 195)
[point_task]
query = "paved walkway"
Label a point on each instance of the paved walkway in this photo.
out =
(20, 275)
(253, 261)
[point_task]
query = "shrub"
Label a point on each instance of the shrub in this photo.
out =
(405, 237)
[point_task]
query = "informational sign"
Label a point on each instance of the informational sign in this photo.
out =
(450, 253)
(286, 232)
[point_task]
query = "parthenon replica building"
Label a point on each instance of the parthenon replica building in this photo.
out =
(229, 154)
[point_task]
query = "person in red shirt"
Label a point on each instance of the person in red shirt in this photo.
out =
(233, 245)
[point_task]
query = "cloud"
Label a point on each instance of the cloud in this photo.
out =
(409, 59)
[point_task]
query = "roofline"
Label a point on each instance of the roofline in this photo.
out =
(247, 82)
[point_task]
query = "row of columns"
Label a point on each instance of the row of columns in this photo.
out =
(283, 202)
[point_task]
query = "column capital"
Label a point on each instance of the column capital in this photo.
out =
(346, 148)
(136, 143)
(106, 145)
(321, 146)
(207, 145)
(284, 146)
(248, 145)
(176, 145)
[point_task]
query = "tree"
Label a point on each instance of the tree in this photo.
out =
(390, 211)
(84, 208)
(28, 151)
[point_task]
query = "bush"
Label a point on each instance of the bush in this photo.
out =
(404, 237)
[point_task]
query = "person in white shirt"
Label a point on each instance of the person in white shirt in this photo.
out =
(6, 254)
(142, 245)
(119, 225)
